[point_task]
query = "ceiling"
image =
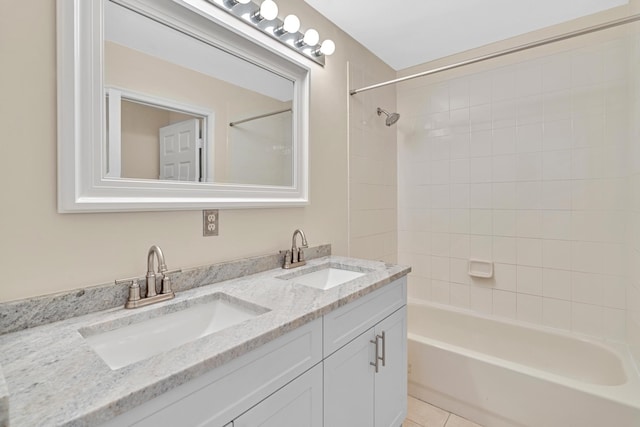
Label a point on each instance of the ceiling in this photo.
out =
(410, 32)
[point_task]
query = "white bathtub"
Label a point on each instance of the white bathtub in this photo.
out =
(508, 374)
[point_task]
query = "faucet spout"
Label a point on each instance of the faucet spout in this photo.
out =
(155, 250)
(293, 240)
(152, 279)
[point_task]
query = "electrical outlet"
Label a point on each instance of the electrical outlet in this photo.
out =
(409, 369)
(210, 222)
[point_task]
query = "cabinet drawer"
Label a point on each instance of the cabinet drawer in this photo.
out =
(347, 322)
(217, 397)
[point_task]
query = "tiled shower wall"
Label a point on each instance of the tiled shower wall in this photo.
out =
(633, 293)
(525, 166)
(372, 170)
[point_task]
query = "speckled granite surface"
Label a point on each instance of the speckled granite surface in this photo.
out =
(55, 378)
(30, 312)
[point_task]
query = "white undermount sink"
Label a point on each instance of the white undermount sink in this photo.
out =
(325, 278)
(137, 341)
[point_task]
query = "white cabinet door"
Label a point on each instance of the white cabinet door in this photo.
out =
(348, 384)
(298, 404)
(391, 379)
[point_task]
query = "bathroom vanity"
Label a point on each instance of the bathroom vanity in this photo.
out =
(301, 354)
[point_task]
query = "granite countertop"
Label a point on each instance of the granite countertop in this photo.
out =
(53, 377)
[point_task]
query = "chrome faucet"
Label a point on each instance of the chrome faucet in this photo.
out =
(152, 278)
(294, 257)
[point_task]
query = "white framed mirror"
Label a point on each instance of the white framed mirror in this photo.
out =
(174, 104)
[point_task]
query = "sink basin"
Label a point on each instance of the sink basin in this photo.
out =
(139, 340)
(326, 278)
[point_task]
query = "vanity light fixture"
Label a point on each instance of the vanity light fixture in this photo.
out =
(268, 10)
(310, 38)
(291, 24)
(286, 31)
(326, 48)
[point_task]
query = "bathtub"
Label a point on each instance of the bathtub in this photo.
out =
(508, 374)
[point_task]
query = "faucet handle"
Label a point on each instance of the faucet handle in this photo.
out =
(166, 281)
(287, 258)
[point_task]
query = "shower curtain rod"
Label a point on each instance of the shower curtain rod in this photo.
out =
(261, 116)
(592, 29)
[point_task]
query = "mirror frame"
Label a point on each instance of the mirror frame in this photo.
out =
(82, 182)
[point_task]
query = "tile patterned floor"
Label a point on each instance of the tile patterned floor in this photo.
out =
(422, 414)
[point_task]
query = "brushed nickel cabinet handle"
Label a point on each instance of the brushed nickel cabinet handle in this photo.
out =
(384, 345)
(375, 341)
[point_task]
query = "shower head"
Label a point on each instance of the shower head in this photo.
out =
(391, 118)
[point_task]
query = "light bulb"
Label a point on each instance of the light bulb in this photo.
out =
(311, 37)
(269, 10)
(328, 47)
(243, 1)
(291, 24)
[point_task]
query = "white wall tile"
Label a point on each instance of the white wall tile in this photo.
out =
(556, 195)
(440, 291)
(440, 268)
(503, 168)
(529, 79)
(529, 308)
(556, 225)
(529, 280)
(587, 288)
(556, 254)
(504, 141)
(556, 313)
(529, 138)
(481, 138)
(530, 110)
(504, 195)
(556, 73)
(529, 166)
(480, 221)
(481, 247)
(557, 135)
(459, 171)
(529, 195)
(480, 169)
(557, 105)
(505, 250)
(459, 195)
(459, 93)
(459, 246)
(480, 89)
(480, 196)
(480, 120)
(504, 304)
(459, 271)
(440, 244)
(529, 223)
(481, 299)
(505, 277)
(526, 166)
(587, 319)
(505, 221)
(530, 252)
(556, 165)
(459, 295)
(614, 324)
(556, 283)
(459, 221)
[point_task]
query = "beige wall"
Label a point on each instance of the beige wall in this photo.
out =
(42, 251)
